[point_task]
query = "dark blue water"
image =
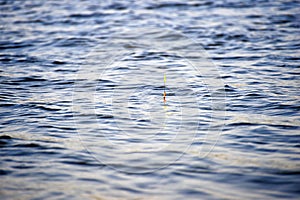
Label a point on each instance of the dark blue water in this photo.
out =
(82, 114)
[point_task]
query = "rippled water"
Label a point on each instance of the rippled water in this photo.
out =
(82, 111)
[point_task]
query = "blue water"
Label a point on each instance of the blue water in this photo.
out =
(82, 114)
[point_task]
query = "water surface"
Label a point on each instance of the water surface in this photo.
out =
(82, 113)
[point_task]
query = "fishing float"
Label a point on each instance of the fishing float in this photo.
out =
(165, 94)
